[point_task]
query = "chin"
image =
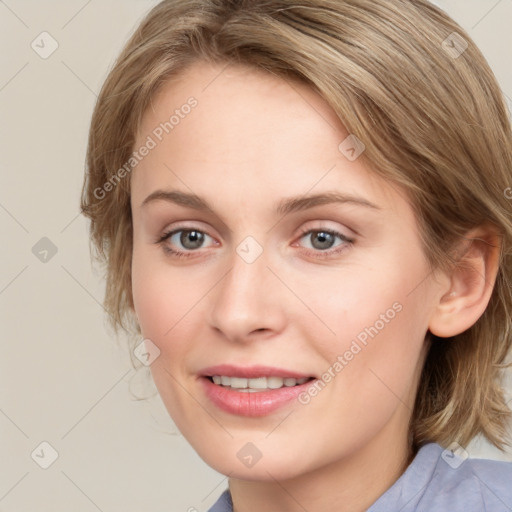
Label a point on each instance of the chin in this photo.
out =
(267, 468)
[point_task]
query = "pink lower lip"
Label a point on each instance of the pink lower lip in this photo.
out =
(242, 403)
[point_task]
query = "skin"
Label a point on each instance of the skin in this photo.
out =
(252, 141)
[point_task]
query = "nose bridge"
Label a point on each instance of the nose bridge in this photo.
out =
(245, 300)
(244, 279)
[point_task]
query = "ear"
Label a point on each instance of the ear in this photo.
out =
(471, 282)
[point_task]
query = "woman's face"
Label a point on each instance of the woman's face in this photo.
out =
(266, 254)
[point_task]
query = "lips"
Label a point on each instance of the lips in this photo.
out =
(252, 391)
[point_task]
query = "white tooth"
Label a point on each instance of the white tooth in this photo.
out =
(248, 390)
(259, 383)
(238, 382)
(275, 382)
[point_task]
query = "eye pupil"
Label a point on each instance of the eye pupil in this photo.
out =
(323, 239)
(191, 239)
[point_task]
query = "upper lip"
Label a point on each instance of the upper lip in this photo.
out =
(250, 372)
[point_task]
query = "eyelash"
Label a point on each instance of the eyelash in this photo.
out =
(348, 242)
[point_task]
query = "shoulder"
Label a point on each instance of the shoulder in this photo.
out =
(444, 479)
(485, 482)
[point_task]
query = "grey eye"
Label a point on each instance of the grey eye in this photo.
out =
(321, 240)
(189, 239)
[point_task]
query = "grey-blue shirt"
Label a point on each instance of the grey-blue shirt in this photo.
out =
(439, 480)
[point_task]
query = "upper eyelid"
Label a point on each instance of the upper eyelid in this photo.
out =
(302, 231)
(299, 230)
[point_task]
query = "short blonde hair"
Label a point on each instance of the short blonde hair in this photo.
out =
(399, 76)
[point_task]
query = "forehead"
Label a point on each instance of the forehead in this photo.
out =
(239, 104)
(248, 128)
(228, 83)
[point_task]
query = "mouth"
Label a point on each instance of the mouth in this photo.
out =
(252, 391)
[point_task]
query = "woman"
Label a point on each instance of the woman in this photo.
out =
(303, 211)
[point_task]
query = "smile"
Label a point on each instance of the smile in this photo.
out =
(252, 391)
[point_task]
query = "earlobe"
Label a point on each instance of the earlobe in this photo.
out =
(471, 283)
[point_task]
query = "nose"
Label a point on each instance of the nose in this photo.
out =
(248, 302)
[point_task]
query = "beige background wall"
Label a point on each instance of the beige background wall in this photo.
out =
(63, 379)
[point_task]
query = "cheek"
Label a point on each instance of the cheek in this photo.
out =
(149, 297)
(377, 322)
(159, 296)
(352, 301)
(169, 305)
(161, 302)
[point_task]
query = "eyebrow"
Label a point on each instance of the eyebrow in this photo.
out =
(284, 207)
